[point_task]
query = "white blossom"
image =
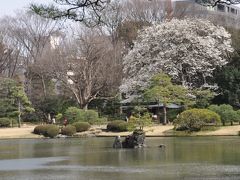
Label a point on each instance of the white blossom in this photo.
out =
(185, 49)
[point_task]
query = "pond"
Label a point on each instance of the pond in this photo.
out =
(94, 158)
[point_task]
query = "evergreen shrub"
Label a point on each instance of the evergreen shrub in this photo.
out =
(69, 130)
(196, 119)
(52, 131)
(117, 126)
(74, 114)
(47, 130)
(5, 122)
(226, 112)
(82, 126)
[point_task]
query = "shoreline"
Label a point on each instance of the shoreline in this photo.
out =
(25, 132)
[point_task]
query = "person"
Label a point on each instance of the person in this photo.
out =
(154, 117)
(49, 119)
(53, 120)
(65, 122)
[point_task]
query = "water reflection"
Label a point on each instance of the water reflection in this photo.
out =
(93, 158)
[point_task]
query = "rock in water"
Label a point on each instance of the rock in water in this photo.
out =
(135, 140)
(117, 142)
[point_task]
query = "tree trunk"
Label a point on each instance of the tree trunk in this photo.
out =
(19, 114)
(158, 111)
(85, 107)
(165, 114)
(44, 87)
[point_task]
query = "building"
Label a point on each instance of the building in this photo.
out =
(232, 10)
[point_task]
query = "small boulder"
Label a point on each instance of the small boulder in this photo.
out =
(117, 142)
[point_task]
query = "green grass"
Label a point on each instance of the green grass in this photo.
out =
(173, 132)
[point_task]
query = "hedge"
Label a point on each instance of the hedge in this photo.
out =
(69, 130)
(5, 122)
(117, 126)
(74, 114)
(47, 130)
(82, 126)
(195, 119)
(226, 112)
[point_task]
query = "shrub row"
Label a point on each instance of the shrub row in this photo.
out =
(227, 113)
(196, 119)
(74, 114)
(47, 130)
(69, 130)
(5, 122)
(117, 126)
(81, 126)
(53, 130)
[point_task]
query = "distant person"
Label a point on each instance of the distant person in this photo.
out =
(154, 117)
(53, 120)
(65, 122)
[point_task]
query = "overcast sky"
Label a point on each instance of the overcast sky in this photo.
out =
(8, 7)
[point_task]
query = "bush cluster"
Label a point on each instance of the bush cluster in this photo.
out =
(82, 126)
(74, 114)
(40, 130)
(196, 119)
(69, 130)
(139, 122)
(5, 122)
(117, 126)
(226, 112)
(47, 130)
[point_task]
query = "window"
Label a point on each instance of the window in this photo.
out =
(220, 7)
(232, 10)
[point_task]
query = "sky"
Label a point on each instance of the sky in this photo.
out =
(8, 7)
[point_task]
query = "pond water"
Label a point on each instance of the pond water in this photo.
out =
(94, 158)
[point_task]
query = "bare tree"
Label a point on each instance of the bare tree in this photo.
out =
(90, 11)
(5, 54)
(30, 35)
(112, 17)
(85, 66)
(145, 11)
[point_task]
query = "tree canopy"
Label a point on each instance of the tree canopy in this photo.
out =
(91, 10)
(77, 10)
(188, 50)
(228, 81)
(163, 91)
(14, 102)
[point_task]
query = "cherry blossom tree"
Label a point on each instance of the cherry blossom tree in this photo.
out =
(187, 50)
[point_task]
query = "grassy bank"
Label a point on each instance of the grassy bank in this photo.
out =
(99, 131)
